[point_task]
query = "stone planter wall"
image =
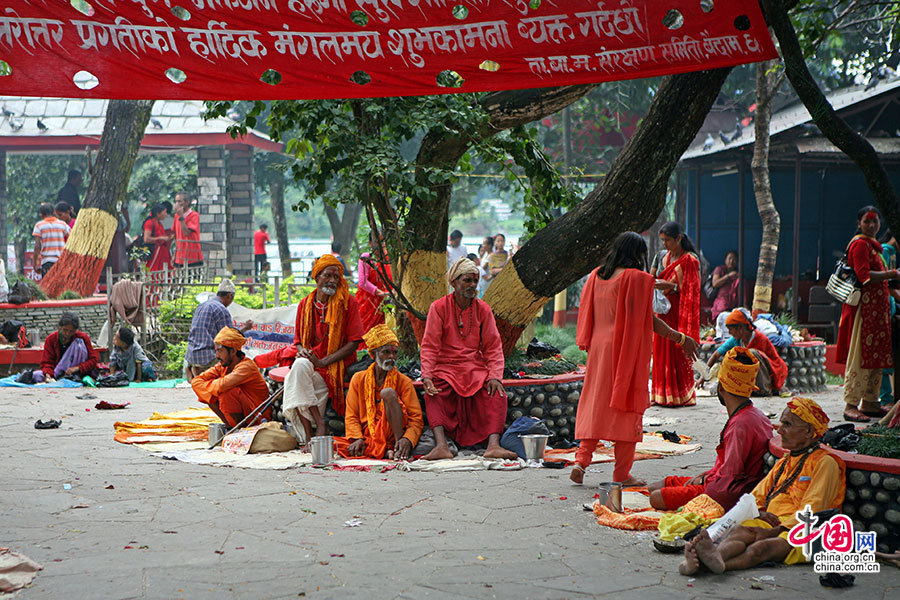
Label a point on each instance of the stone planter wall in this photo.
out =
(43, 316)
(553, 400)
(805, 361)
(873, 494)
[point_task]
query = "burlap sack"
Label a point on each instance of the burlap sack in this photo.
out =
(272, 438)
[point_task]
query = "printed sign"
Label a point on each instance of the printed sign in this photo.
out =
(293, 49)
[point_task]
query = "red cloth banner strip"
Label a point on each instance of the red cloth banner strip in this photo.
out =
(220, 49)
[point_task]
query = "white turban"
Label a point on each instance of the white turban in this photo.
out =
(460, 268)
(226, 286)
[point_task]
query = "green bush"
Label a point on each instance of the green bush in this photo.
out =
(878, 440)
(69, 295)
(574, 354)
(174, 357)
(36, 291)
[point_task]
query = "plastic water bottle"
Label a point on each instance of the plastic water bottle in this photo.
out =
(742, 511)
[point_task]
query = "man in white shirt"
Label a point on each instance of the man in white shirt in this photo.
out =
(455, 248)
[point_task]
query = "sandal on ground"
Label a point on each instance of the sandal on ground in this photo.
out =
(577, 474)
(857, 418)
(875, 412)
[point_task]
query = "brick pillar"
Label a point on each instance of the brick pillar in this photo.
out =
(3, 209)
(240, 210)
(211, 205)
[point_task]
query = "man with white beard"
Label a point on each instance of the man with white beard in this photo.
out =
(383, 418)
(326, 334)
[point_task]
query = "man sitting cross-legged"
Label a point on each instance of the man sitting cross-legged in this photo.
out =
(806, 475)
(742, 443)
(233, 387)
(383, 418)
(462, 364)
(326, 334)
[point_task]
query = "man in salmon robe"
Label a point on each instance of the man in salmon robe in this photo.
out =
(383, 418)
(462, 364)
(233, 387)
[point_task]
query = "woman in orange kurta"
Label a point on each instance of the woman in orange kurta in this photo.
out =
(615, 323)
(673, 377)
(864, 338)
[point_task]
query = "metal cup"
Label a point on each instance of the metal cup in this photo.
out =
(322, 449)
(216, 433)
(610, 495)
(535, 444)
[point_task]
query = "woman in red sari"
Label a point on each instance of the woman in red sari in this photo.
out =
(372, 289)
(679, 280)
(155, 234)
(614, 326)
(864, 338)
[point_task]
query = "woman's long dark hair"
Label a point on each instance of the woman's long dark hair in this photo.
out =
(628, 251)
(862, 212)
(673, 230)
(156, 209)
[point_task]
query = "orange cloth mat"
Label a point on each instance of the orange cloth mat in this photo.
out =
(601, 455)
(642, 519)
(190, 425)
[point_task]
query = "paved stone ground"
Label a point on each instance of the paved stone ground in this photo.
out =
(206, 532)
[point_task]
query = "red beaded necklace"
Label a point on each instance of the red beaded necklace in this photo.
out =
(459, 318)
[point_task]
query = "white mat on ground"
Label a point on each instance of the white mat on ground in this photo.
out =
(219, 458)
(462, 463)
(650, 445)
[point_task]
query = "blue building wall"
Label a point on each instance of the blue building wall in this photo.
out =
(829, 202)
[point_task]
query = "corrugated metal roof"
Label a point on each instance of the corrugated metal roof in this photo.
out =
(793, 116)
(67, 117)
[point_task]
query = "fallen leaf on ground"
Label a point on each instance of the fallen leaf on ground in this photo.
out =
(480, 557)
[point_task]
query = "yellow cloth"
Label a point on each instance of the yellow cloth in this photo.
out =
(184, 425)
(795, 556)
(701, 510)
(460, 268)
(821, 484)
(379, 336)
(230, 338)
(736, 377)
(809, 411)
(737, 317)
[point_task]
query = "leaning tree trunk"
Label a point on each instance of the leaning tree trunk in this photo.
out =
(629, 198)
(766, 86)
(276, 190)
(343, 228)
(423, 279)
(81, 262)
(826, 119)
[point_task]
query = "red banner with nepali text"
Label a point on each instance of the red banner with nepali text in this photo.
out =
(305, 49)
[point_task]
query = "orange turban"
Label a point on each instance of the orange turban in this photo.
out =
(736, 377)
(378, 336)
(326, 260)
(810, 412)
(230, 338)
(738, 317)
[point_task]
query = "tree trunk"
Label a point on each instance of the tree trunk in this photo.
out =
(425, 234)
(343, 228)
(766, 86)
(276, 190)
(629, 198)
(826, 119)
(81, 262)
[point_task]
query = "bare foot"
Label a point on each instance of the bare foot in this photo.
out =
(322, 428)
(634, 482)
(500, 452)
(577, 474)
(708, 554)
(691, 563)
(439, 453)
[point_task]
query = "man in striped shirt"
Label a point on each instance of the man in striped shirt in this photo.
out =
(50, 238)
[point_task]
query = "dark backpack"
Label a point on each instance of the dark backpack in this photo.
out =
(20, 293)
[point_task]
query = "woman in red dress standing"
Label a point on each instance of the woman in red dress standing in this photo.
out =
(615, 323)
(155, 234)
(679, 280)
(864, 338)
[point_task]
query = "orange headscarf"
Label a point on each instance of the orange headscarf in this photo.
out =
(809, 411)
(230, 338)
(736, 377)
(738, 317)
(378, 336)
(335, 318)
